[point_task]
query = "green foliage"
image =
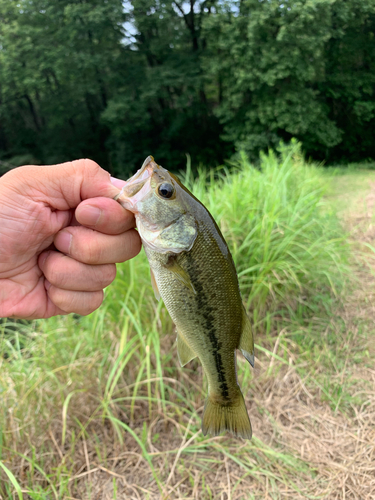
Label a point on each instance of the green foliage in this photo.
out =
(300, 68)
(74, 83)
(56, 59)
(116, 82)
(283, 246)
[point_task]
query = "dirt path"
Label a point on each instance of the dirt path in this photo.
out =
(354, 195)
(344, 450)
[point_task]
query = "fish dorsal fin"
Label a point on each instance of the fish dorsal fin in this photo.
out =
(154, 285)
(246, 344)
(180, 274)
(185, 352)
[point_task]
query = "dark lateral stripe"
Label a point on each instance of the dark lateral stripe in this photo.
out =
(207, 311)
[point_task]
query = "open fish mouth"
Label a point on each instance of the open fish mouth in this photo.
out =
(130, 190)
(142, 173)
(141, 183)
(137, 186)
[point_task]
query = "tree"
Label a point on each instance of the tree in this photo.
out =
(56, 64)
(118, 81)
(296, 68)
(162, 105)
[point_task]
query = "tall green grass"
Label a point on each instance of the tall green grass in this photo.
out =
(104, 378)
(283, 244)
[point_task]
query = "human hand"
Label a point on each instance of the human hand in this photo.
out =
(61, 234)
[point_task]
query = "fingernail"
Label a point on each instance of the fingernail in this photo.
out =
(63, 241)
(88, 215)
(118, 182)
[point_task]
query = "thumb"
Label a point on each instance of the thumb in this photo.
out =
(62, 186)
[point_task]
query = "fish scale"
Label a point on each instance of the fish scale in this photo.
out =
(193, 271)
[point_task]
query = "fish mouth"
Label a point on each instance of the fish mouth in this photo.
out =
(142, 172)
(137, 186)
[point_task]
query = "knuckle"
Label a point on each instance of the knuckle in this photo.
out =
(90, 303)
(93, 253)
(91, 165)
(82, 303)
(87, 249)
(135, 243)
(91, 168)
(57, 268)
(108, 274)
(51, 270)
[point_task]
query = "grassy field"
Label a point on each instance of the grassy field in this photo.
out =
(97, 407)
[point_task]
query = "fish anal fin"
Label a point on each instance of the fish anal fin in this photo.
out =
(231, 417)
(180, 274)
(154, 285)
(184, 351)
(246, 344)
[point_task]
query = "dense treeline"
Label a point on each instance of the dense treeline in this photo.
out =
(116, 81)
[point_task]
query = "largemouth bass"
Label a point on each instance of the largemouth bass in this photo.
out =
(193, 271)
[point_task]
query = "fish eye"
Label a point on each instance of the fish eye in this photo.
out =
(166, 190)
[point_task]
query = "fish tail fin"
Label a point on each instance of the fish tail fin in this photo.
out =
(231, 417)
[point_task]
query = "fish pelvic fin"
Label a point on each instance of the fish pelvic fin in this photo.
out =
(184, 351)
(231, 417)
(154, 285)
(246, 344)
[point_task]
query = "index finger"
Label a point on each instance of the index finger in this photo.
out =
(104, 215)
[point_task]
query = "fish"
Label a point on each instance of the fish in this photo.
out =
(193, 271)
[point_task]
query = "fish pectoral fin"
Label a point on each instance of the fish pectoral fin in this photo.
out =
(185, 353)
(154, 285)
(181, 275)
(246, 344)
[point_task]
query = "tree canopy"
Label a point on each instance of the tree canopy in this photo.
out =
(117, 81)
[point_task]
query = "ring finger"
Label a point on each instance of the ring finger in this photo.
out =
(82, 303)
(68, 274)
